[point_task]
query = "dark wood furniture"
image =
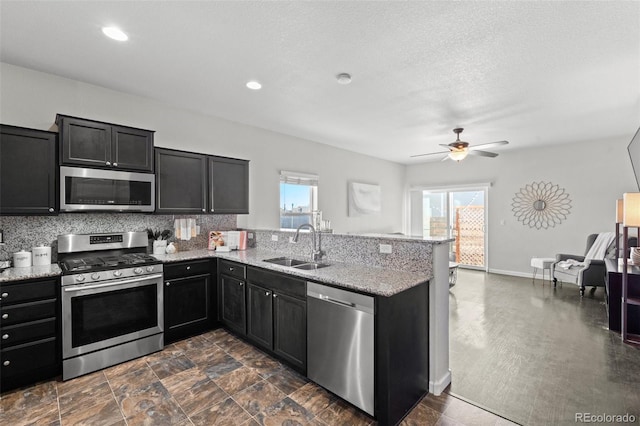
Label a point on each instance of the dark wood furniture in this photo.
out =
(189, 298)
(28, 171)
(29, 328)
(614, 296)
(90, 143)
(191, 183)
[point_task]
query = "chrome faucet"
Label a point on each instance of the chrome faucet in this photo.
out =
(316, 253)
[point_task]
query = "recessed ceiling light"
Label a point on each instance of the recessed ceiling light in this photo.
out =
(115, 33)
(254, 85)
(343, 78)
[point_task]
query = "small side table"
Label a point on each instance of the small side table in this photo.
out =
(542, 263)
(453, 273)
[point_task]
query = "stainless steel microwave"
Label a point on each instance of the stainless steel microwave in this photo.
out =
(83, 189)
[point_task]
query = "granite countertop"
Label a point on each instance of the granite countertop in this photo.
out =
(367, 279)
(32, 272)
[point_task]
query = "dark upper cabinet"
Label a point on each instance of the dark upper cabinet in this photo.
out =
(260, 315)
(189, 182)
(28, 171)
(181, 182)
(228, 185)
(92, 143)
(187, 299)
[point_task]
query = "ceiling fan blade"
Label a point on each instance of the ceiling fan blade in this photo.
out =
(487, 145)
(446, 157)
(445, 146)
(431, 153)
(482, 153)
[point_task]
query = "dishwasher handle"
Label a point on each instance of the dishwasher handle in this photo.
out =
(344, 298)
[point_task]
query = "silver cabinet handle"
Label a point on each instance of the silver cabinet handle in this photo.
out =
(212, 210)
(6, 363)
(168, 284)
(108, 163)
(231, 269)
(267, 293)
(5, 336)
(188, 267)
(5, 316)
(204, 210)
(275, 295)
(51, 209)
(115, 164)
(5, 294)
(241, 284)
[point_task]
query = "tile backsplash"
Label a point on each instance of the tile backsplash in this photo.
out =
(25, 232)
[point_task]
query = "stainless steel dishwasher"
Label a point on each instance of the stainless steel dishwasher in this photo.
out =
(340, 343)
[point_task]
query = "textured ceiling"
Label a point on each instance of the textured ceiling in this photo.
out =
(534, 73)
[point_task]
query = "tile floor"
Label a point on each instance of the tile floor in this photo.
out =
(211, 379)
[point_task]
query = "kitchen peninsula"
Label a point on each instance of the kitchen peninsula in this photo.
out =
(409, 286)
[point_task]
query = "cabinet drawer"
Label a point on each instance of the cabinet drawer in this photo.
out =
(22, 359)
(32, 290)
(27, 312)
(278, 282)
(27, 332)
(185, 269)
(233, 269)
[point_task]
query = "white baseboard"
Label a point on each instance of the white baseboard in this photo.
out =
(436, 388)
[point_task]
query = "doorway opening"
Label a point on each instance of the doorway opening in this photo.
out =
(454, 213)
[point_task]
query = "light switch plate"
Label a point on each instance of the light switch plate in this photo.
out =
(385, 248)
(250, 235)
(274, 238)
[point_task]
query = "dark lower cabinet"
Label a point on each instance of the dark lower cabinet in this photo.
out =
(28, 171)
(232, 304)
(260, 315)
(30, 330)
(289, 329)
(188, 301)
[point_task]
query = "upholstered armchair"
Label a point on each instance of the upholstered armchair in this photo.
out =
(588, 272)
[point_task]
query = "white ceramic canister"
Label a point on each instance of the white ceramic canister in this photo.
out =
(159, 246)
(41, 255)
(22, 259)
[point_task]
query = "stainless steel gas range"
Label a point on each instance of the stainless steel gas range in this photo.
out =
(112, 300)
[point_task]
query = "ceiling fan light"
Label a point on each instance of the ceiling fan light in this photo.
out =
(458, 154)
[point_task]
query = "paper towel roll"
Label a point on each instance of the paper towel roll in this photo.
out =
(41, 255)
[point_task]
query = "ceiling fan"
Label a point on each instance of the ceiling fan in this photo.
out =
(458, 150)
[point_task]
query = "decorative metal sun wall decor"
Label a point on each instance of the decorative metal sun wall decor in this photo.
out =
(541, 205)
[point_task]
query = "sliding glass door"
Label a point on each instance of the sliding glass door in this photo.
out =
(459, 214)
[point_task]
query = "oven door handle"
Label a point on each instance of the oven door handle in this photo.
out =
(113, 283)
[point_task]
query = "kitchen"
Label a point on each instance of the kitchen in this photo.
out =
(410, 266)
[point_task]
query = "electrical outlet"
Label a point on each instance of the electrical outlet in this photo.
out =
(274, 238)
(250, 235)
(385, 248)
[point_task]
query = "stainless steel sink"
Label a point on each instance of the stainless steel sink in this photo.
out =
(286, 261)
(295, 263)
(311, 266)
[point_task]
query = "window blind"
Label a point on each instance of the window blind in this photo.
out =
(297, 178)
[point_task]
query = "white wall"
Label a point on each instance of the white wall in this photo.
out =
(32, 99)
(594, 173)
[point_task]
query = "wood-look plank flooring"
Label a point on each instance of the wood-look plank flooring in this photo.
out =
(538, 355)
(211, 379)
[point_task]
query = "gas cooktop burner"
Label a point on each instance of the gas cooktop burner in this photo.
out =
(107, 262)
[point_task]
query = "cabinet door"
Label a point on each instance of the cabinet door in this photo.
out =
(290, 329)
(232, 303)
(181, 182)
(228, 185)
(186, 306)
(28, 171)
(84, 142)
(132, 149)
(260, 315)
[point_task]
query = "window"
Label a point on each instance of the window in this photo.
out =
(298, 198)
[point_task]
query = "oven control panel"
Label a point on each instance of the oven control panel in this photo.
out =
(117, 274)
(105, 239)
